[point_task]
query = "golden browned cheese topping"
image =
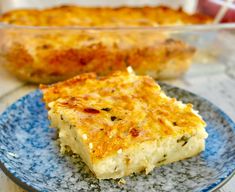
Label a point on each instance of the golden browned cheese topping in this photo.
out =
(84, 16)
(119, 111)
(52, 55)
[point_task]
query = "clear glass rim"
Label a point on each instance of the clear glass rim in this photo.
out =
(202, 27)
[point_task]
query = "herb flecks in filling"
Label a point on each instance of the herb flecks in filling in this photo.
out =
(106, 109)
(113, 118)
(184, 139)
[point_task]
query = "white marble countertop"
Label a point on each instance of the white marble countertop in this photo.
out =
(215, 82)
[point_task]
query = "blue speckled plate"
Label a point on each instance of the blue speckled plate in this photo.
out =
(29, 154)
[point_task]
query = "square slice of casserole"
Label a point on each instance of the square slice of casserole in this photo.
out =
(122, 123)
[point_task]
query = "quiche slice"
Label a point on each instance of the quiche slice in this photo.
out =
(122, 123)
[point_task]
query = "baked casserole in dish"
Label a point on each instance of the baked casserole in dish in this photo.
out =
(45, 46)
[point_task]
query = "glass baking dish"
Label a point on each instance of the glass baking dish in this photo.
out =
(49, 54)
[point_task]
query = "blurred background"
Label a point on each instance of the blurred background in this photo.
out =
(211, 75)
(209, 7)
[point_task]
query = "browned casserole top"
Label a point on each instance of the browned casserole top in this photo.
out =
(87, 16)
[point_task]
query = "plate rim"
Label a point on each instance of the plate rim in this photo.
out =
(29, 188)
(211, 188)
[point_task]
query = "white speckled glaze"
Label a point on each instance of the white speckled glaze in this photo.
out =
(29, 154)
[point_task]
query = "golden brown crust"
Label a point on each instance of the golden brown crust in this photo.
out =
(47, 64)
(120, 111)
(51, 55)
(87, 16)
(51, 93)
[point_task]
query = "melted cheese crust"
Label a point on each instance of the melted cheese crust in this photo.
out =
(46, 56)
(87, 16)
(101, 118)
